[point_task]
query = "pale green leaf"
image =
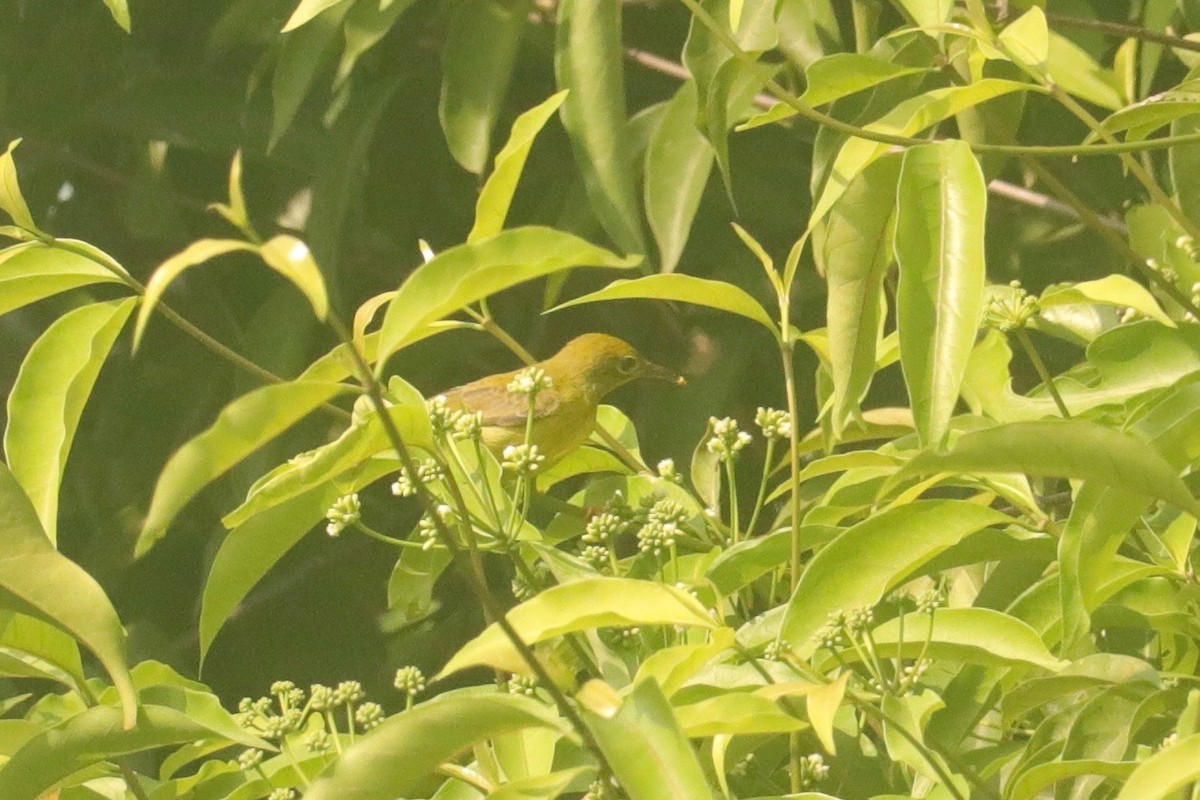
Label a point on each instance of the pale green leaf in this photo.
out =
(292, 259)
(683, 289)
(194, 254)
(862, 564)
(394, 759)
(550, 786)
(243, 426)
(1072, 68)
(855, 249)
(496, 197)
(1069, 448)
(305, 11)
(735, 713)
(12, 202)
(1030, 784)
(477, 63)
(1027, 39)
(256, 545)
(906, 119)
(48, 397)
(1165, 772)
(365, 26)
(1112, 290)
(928, 13)
(823, 704)
(678, 162)
(941, 207)
(32, 271)
(579, 606)
(234, 211)
(649, 753)
(36, 578)
(589, 61)
(457, 277)
(30, 647)
(973, 635)
(120, 12)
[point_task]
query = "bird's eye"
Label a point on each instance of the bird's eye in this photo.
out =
(627, 364)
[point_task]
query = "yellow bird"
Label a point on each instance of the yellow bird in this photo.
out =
(564, 415)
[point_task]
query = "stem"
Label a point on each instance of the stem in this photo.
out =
(132, 781)
(374, 534)
(1116, 241)
(179, 321)
(1124, 31)
(762, 487)
(287, 749)
(1022, 336)
(866, 14)
(467, 776)
(731, 476)
(475, 577)
(1132, 164)
(827, 121)
(794, 463)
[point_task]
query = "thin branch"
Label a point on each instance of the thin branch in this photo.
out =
(1124, 31)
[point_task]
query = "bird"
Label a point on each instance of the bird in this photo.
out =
(564, 414)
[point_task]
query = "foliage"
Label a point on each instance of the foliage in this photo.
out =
(913, 530)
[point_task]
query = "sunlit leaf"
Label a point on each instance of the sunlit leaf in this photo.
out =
(305, 11)
(242, 427)
(1027, 39)
(683, 289)
(37, 579)
(392, 760)
(649, 753)
(1113, 290)
(12, 202)
(1166, 771)
(579, 606)
(48, 397)
(292, 259)
(1071, 448)
(301, 55)
(941, 206)
(457, 277)
(32, 271)
(861, 565)
(491, 209)
(194, 254)
(974, 635)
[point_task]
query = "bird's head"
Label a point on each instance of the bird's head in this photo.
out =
(603, 363)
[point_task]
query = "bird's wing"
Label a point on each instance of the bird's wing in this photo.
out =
(501, 408)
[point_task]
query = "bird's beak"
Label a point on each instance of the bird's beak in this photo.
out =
(652, 370)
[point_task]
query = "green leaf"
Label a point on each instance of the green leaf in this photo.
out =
(477, 62)
(257, 544)
(928, 13)
(355, 447)
(306, 11)
(907, 119)
(394, 759)
(941, 208)
(48, 397)
(194, 254)
(855, 249)
(292, 259)
(542, 787)
(735, 713)
(1111, 290)
(32, 271)
(860, 566)
(1165, 772)
(678, 162)
(1184, 162)
(243, 426)
(1027, 39)
(30, 647)
(1078, 73)
(457, 277)
(94, 736)
(366, 24)
(683, 289)
(579, 606)
(589, 61)
(12, 202)
(35, 578)
(973, 635)
(120, 12)
(491, 209)
(1068, 448)
(1030, 784)
(649, 753)
(832, 78)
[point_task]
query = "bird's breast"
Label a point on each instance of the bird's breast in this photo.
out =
(555, 435)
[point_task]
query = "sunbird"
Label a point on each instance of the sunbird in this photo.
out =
(564, 415)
